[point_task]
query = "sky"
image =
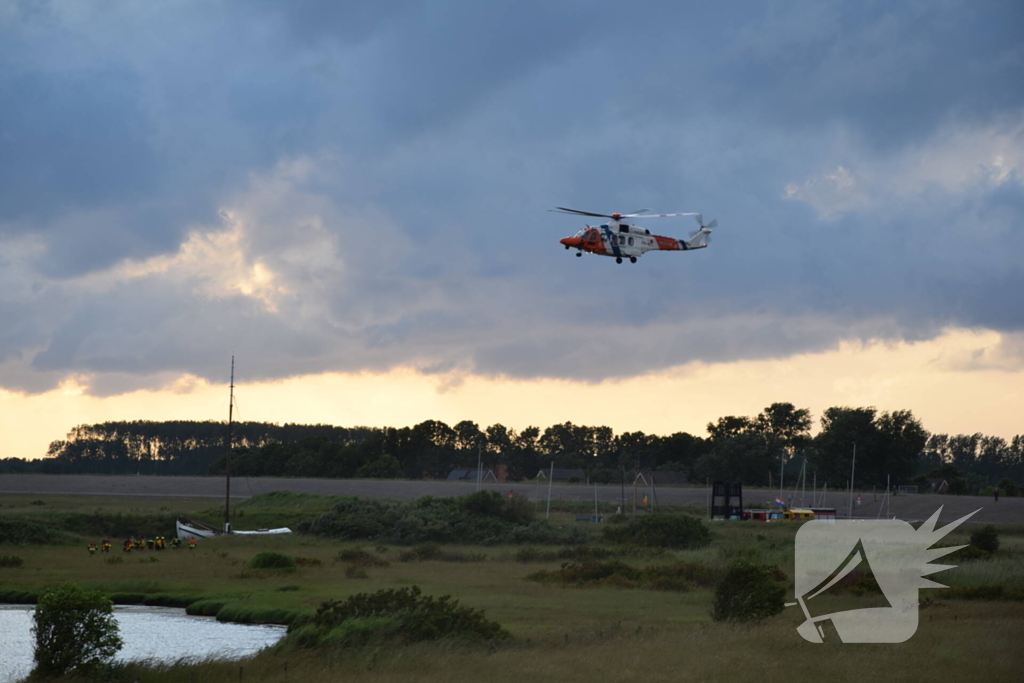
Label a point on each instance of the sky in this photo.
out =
(352, 201)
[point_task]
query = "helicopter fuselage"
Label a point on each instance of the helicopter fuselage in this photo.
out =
(620, 240)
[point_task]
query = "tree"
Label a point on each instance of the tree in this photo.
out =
(75, 632)
(901, 440)
(833, 447)
(785, 425)
(729, 426)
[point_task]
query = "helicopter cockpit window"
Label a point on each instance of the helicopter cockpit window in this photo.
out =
(623, 228)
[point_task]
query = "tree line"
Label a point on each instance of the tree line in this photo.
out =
(751, 449)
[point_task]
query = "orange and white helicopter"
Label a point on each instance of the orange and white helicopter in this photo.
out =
(620, 239)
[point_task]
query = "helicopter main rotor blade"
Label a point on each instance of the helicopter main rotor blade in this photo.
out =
(562, 209)
(661, 215)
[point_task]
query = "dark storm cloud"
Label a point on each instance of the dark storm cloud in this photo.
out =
(390, 170)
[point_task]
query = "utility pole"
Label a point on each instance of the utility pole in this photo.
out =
(853, 468)
(227, 454)
(478, 463)
(551, 476)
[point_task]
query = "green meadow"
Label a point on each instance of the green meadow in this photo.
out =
(596, 632)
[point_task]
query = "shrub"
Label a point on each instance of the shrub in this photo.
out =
(679, 576)
(660, 531)
(75, 633)
(24, 532)
(432, 551)
(403, 614)
(747, 592)
(360, 558)
(271, 560)
(986, 538)
(484, 519)
(11, 561)
(308, 561)
(582, 573)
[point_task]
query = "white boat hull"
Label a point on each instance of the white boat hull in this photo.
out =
(187, 531)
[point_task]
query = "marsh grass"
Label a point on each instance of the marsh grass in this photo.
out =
(560, 633)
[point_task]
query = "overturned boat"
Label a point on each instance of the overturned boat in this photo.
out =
(193, 529)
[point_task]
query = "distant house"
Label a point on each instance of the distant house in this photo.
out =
(471, 475)
(564, 475)
(663, 478)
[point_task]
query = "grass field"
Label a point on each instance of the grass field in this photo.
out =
(559, 633)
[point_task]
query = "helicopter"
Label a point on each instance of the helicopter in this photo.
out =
(620, 239)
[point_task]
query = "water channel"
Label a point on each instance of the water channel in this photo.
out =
(150, 633)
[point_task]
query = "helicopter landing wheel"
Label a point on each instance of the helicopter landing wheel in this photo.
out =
(632, 259)
(579, 253)
(618, 259)
(567, 247)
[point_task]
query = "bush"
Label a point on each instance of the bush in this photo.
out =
(11, 561)
(986, 538)
(75, 633)
(679, 576)
(484, 518)
(360, 558)
(270, 560)
(404, 614)
(660, 531)
(432, 551)
(747, 592)
(24, 532)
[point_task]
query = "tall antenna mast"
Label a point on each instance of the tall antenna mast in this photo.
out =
(227, 455)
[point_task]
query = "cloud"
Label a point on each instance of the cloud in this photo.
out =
(318, 187)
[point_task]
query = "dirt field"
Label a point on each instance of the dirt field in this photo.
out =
(907, 507)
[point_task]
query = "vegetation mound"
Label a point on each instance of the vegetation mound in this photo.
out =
(271, 560)
(748, 592)
(678, 576)
(402, 615)
(481, 518)
(660, 531)
(358, 557)
(16, 531)
(427, 552)
(11, 561)
(986, 538)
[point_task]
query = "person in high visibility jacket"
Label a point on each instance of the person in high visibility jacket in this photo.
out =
(191, 544)
(92, 548)
(106, 545)
(128, 545)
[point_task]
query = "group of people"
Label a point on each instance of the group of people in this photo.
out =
(131, 543)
